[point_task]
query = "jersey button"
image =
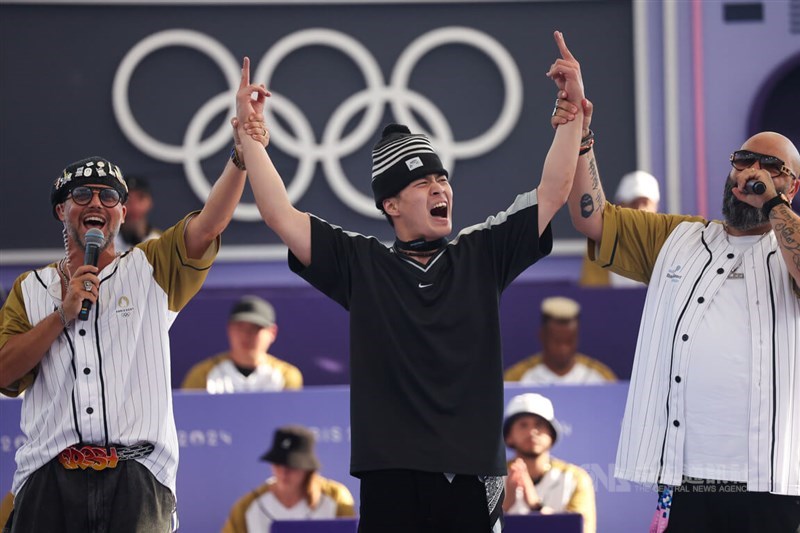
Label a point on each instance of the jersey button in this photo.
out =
(730, 256)
(89, 410)
(685, 337)
(82, 332)
(701, 300)
(87, 371)
(677, 379)
(720, 271)
(676, 423)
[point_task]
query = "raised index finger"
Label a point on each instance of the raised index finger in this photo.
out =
(562, 46)
(245, 81)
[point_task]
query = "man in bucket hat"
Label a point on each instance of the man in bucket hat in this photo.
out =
(426, 365)
(536, 480)
(101, 449)
(294, 492)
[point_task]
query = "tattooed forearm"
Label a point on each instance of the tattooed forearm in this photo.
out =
(597, 187)
(587, 206)
(787, 229)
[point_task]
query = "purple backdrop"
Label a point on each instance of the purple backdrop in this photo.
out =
(314, 334)
(221, 438)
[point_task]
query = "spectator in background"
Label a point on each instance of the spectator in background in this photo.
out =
(636, 190)
(295, 491)
(246, 366)
(559, 361)
(136, 227)
(537, 481)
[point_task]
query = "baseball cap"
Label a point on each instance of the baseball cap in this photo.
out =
(560, 308)
(254, 310)
(531, 403)
(635, 185)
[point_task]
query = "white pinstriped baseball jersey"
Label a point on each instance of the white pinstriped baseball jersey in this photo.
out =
(110, 384)
(690, 259)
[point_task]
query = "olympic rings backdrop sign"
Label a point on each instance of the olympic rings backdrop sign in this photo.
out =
(151, 87)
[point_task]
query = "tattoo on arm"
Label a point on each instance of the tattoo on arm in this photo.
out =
(587, 206)
(787, 229)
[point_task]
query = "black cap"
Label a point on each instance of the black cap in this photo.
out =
(293, 446)
(254, 310)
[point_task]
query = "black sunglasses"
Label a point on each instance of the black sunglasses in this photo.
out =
(83, 195)
(743, 159)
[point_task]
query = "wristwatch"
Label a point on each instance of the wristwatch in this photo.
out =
(771, 203)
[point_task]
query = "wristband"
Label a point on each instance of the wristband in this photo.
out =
(236, 159)
(771, 203)
(586, 143)
(61, 316)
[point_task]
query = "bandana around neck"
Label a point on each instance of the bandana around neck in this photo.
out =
(419, 247)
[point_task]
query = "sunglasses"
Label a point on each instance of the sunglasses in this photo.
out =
(743, 159)
(83, 195)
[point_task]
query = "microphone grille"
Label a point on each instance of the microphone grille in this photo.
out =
(94, 237)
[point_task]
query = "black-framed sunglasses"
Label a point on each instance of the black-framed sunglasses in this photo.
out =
(744, 159)
(83, 195)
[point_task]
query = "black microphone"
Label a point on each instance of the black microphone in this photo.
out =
(94, 242)
(755, 187)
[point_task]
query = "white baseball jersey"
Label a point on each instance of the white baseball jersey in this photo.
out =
(687, 260)
(256, 511)
(106, 380)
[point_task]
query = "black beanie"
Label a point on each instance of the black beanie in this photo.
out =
(90, 171)
(398, 159)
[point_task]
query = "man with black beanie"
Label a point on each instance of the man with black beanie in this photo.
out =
(426, 365)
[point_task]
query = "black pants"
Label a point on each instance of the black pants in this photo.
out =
(125, 499)
(408, 501)
(725, 507)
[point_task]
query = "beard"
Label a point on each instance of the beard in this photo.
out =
(738, 214)
(79, 239)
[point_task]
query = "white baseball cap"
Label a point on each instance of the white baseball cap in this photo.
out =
(531, 403)
(635, 185)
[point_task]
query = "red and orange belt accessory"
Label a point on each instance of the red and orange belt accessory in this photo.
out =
(101, 457)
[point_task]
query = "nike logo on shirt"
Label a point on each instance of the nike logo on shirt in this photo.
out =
(424, 285)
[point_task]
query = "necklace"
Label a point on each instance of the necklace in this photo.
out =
(734, 273)
(62, 270)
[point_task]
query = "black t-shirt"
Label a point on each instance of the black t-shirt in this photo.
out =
(426, 370)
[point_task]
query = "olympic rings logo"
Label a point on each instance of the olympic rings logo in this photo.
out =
(302, 144)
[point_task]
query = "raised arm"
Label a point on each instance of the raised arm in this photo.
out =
(586, 199)
(560, 164)
(291, 225)
(203, 229)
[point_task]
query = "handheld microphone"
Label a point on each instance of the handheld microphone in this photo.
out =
(755, 187)
(94, 242)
